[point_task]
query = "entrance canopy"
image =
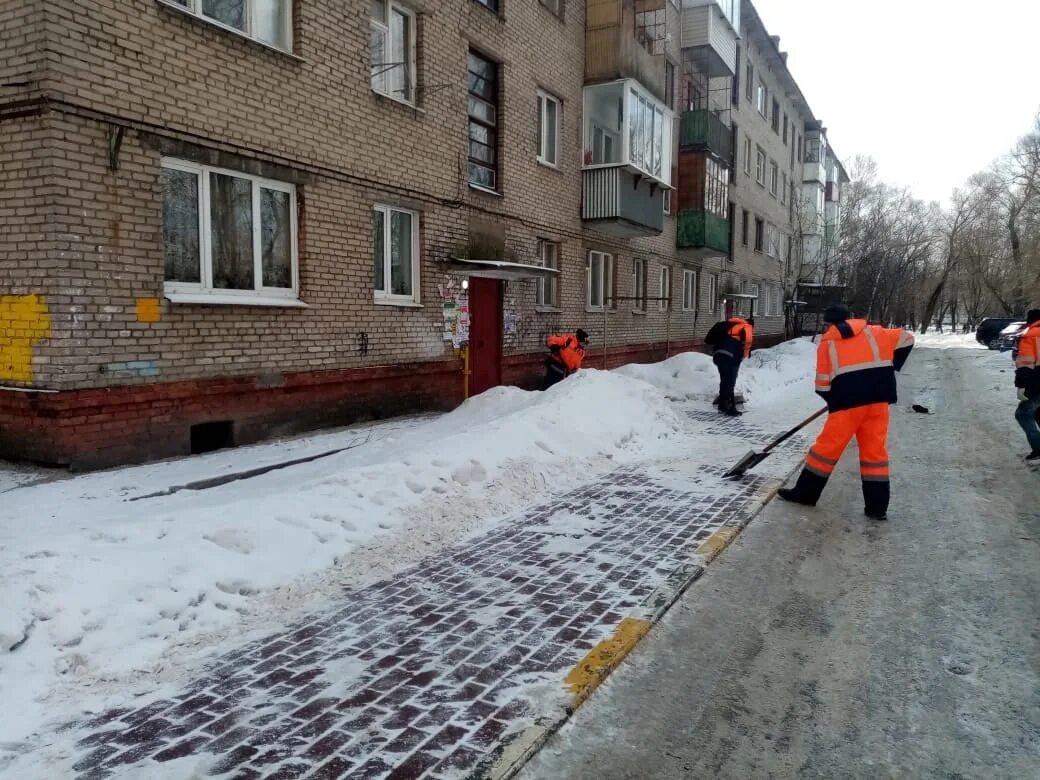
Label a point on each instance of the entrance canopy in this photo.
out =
(500, 269)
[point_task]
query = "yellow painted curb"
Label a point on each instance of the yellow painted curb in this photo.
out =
(718, 542)
(604, 657)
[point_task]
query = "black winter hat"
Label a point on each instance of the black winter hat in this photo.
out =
(581, 335)
(1033, 315)
(835, 313)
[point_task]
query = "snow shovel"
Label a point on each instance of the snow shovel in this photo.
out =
(752, 459)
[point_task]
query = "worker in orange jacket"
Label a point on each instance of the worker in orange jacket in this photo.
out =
(1027, 380)
(730, 341)
(566, 354)
(856, 367)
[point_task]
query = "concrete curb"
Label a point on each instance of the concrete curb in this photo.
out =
(596, 666)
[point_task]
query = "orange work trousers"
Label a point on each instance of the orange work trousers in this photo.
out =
(869, 424)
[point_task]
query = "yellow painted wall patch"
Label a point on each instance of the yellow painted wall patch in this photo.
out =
(147, 309)
(24, 320)
(594, 667)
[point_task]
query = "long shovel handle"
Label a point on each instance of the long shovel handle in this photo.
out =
(784, 437)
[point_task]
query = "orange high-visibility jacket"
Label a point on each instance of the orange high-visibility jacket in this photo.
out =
(737, 343)
(856, 364)
(568, 351)
(1027, 364)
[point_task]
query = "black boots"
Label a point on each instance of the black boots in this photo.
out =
(875, 499)
(807, 490)
(810, 485)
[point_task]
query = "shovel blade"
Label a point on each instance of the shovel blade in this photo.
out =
(749, 461)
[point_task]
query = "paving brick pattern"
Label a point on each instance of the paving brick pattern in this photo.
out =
(425, 674)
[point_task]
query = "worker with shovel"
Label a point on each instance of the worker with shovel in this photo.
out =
(856, 367)
(730, 341)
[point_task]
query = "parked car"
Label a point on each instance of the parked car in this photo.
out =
(990, 328)
(1008, 338)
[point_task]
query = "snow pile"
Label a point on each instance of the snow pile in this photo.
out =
(768, 376)
(102, 594)
(935, 340)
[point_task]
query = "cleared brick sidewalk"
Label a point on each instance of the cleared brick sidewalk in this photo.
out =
(428, 674)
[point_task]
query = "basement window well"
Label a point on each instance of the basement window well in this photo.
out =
(212, 436)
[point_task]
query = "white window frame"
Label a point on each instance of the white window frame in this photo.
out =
(384, 296)
(713, 293)
(410, 48)
(664, 282)
(543, 157)
(774, 178)
(203, 291)
(606, 272)
(639, 284)
(747, 155)
(772, 236)
(760, 166)
(689, 290)
(762, 99)
(636, 102)
(783, 187)
(194, 8)
(549, 257)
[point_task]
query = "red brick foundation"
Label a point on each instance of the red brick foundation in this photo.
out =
(87, 429)
(96, 428)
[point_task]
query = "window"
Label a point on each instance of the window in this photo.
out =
(267, 21)
(667, 201)
(492, 4)
(713, 292)
(761, 98)
(548, 129)
(776, 116)
(599, 268)
(665, 289)
(785, 129)
(392, 50)
(553, 5)
(752, 290)
(760, 167)
(716, 188)
(778, 301)
(783, 187)
(735, 85)
(639, 285)
(747, 155)
(771, 240)
(228, 234)
(749, 81)
(483, 122)
(774, 178)
(760, 229)
(547, 292)
(689, 290)
(800, 158)
(745, 225)
(669, 84)
(395, 255)
(621, 110)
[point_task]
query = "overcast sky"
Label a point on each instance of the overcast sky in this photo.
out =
(932, 89)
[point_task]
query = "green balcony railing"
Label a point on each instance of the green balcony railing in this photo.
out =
(702, 230)
(702, 129)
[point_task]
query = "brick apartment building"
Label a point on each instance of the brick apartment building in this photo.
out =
(222, 220)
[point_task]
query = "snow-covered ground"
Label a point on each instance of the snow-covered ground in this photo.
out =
(109, 590)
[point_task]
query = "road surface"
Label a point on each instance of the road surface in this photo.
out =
(822, 645)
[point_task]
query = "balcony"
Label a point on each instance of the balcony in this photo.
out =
(704, 130)
(619, 202)
(709, 32)
(703, 231)
(626, 39)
